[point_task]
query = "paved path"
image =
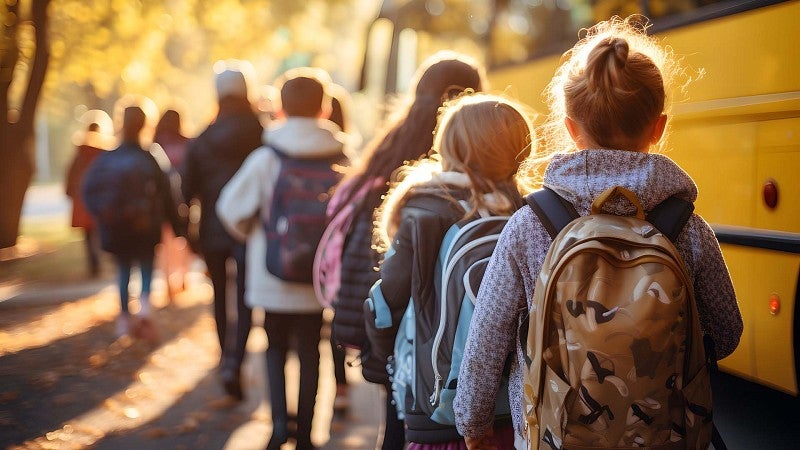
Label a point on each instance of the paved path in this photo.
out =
(170, 398)
(66, 382)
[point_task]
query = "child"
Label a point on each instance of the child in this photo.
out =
(292, 313)
(174, 253)
(90, 144)
(480, 143)
(607, 110)
(210, 161)
(340, 115)
(407, 136)
(130, 198)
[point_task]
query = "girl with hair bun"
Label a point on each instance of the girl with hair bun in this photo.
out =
(608, 110)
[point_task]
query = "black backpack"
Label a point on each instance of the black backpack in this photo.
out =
(297, 215)
(121, 191)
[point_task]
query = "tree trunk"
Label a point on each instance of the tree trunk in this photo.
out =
(16, 173)
(17, 131)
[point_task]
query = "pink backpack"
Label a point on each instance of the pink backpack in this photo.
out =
(328, 259)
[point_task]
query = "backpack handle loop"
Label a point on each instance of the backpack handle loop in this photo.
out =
(612, 192)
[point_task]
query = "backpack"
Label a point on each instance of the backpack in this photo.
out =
(614, 353)
(297, 216)
(328, 258)
(426, 383)
(122, 191)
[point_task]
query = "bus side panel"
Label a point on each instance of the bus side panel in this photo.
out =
(730, 157)
(779, 161)
(721, 159)
(765, 353)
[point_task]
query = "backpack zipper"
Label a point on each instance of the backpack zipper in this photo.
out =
(437, 341)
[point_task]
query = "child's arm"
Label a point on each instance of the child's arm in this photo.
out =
(492, 335)
(719, 312)
(241, 199)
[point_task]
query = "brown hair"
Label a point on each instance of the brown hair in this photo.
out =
(614, 82)
(616, 95)
(483, 136)
(408, 134)
(486, 137)
(303, 91)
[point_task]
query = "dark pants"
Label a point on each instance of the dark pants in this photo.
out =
(125, 264)
(216, 262)
(91, 242)
(394, 434)
(339, 355)
(303, 330)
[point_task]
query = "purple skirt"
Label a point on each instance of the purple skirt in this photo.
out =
(503, 439)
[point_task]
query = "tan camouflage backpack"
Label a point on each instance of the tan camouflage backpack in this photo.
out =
(614, 349)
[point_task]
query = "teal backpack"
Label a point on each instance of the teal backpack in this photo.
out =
(427, 356)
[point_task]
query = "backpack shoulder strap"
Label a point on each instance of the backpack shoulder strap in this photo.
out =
(670, 216)
(553, 211)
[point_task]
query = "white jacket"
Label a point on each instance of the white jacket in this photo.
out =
(245, 201)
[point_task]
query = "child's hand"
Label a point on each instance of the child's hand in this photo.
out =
(484, 442)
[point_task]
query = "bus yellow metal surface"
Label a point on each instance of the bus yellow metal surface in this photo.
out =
(738, 131)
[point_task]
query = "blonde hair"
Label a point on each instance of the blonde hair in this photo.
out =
(483, 136)
(615, 82)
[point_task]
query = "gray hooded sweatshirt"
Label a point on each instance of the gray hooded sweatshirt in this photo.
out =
(508, 285)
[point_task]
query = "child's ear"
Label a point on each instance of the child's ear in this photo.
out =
(574, 131)
(280, 114)
(658, 129)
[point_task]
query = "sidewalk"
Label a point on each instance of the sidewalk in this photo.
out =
(66, 382)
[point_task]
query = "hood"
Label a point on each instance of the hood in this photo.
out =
(581, 176)
(305, 137)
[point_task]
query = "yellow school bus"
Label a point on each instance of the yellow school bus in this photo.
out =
(737, 134)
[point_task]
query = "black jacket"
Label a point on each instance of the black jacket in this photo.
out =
(211, 160)
(409, 273)
(359, 271)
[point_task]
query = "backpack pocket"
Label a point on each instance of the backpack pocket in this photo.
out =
(557, 398)
(697, 410)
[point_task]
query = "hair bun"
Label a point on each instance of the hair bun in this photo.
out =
(607, 61)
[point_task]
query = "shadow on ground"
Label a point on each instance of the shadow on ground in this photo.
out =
(45, 387)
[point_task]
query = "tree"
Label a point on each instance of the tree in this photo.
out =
(23, 65)
(97, 51)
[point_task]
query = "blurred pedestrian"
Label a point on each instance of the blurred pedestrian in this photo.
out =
(340, 115)
(407, 136)
(211, 160)
(129, 196)
(90, 143)
(174, 253)
(292, 313)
